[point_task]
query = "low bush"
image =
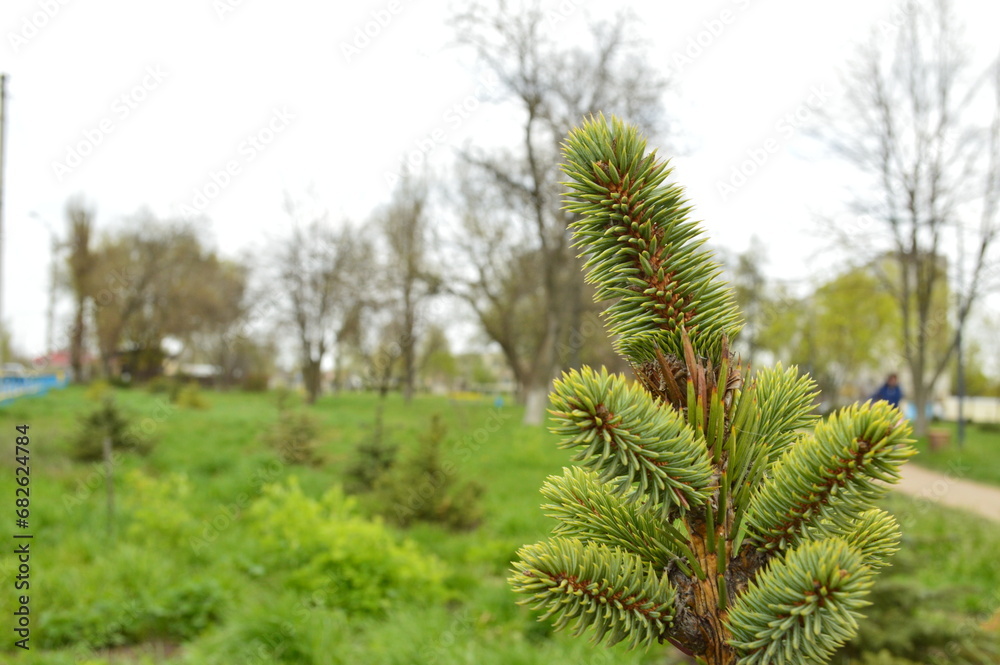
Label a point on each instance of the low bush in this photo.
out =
(285, 398)
(294, 436)
(157, 511)
(909, 623)
(160, 385)
(274, 630)
(190, 396)
(163, 605)
(98, 390)
(255, 382)
(146, 584)
(112, 422)
(323, 548)
(373, 458)
(423, 487)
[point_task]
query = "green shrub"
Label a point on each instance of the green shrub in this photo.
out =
(185, 394)
(186, 610)
(324, 549)
(422, 487)
(373, 459)
(123, 381)
(160, 385)
(255, 382)
(145, 585)
(98, 390)
(190, 396)
(909, 623)
(157, 510)
(294, 437)
(108, 420)
(285, 398)
(279, 629)
(125, 594)
(175, 613)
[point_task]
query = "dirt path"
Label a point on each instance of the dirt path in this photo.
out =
(948, 489)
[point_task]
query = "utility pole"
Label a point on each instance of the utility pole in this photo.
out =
(3, 149)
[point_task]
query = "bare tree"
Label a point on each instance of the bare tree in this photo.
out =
(925, 132)
(503, 287)
(81, 264)
(409, 278)
(316, 277)
(751, 290)
(552, 88)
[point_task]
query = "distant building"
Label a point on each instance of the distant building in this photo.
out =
(59, 361)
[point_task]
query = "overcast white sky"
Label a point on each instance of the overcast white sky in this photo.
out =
(163, 97)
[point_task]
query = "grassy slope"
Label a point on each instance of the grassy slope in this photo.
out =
(78, 573)
(218, 452)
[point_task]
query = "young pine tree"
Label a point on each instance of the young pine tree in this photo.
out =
(709, 511)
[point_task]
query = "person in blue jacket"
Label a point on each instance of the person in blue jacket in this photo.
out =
(890, 391)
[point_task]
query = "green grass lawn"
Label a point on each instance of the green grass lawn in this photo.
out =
(977, 459)
(205, 565)
(183, 563)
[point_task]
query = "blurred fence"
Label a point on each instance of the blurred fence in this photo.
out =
(13, 387)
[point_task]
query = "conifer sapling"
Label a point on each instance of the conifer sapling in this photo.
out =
(711, 511)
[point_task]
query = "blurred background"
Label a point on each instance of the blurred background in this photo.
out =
(283, 289)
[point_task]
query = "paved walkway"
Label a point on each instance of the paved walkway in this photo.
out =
(948, 489)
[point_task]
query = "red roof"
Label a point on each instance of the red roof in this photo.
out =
(59, 359)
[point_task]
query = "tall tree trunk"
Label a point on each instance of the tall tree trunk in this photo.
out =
(106, 365)
(408, 344)
(311, 377)
(920, 400)
(539, 379)
(338, 369)
(535, 400)
(76, 343)
(573, 336)
(920, 389)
